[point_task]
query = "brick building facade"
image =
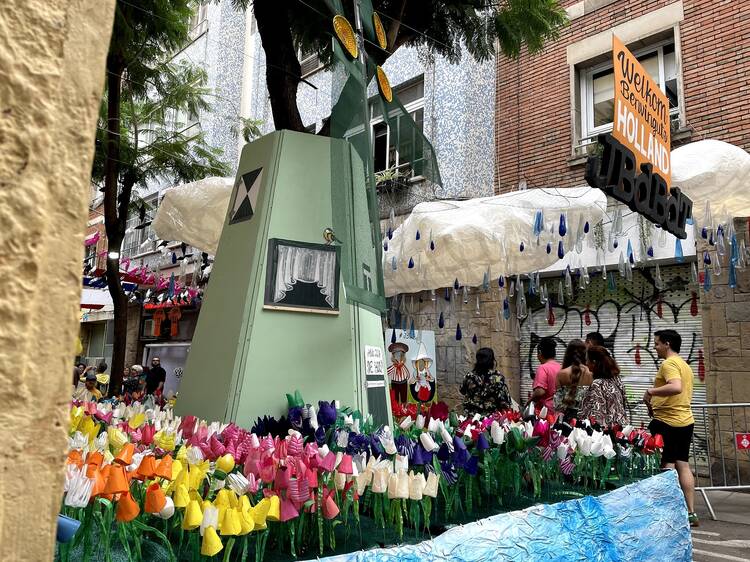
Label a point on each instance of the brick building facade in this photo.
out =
(541, 99)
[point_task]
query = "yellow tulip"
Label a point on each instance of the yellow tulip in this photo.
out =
(181, 497)
(117, 438)
(76, 415)
(230, 523)
(193, 516)
(182, 455)
(222, 498)
(274, 510)
(225, 463)
(196, 477)
(165, 440)
(137, 420)
(89, 428)
(260, 512)
(211, 542)
(246, 522)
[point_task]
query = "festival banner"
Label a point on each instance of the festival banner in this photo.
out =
(641, 120)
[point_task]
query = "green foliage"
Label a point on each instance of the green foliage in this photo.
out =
(440, 26)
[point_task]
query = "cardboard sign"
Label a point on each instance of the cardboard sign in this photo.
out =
(743, 441)
(641, 120)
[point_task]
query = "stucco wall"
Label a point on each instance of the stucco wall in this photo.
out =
(52, 56)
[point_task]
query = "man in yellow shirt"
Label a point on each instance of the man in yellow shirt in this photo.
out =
(88, 392)
(668, 402)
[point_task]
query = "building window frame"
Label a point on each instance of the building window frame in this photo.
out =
(587, 132)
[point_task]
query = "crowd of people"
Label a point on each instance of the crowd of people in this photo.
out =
(587, 386)
(91, 383)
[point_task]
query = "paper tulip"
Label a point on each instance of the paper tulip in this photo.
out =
(95, 458)
(230, 522)
(380, 481)
(339, 480)
(420, 422)
(225, 463)
(274, 510)
(562, 451)
(210, 517)
(167, 511)
(328, 462)
(137, 421)
(345, 466)
(146, 468)
(181, 497)
(428, 442)
(117, 483)
(431, 487)
(330, 509)
(211, 544)
(155, 499)
(127, 508)
(363, 480)
(260, 513)
(125, 456)
(193, 516)
(164, 468)
(281, 482)
(406, 423)
(288, 511)
(416, 486)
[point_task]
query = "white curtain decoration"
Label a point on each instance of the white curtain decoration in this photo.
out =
(308, 265)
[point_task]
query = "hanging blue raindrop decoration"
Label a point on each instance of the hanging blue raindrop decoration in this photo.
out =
(447, 294)
(678, 255)
(560, 250)
(393, 336)
(711, 240)
(474, 339)
(538, 223)
(458, 332)
(418, 236)
(586, 228)
(456, 285)
(394, 263)
(385, 246)
(412, 332)
(486, 281)
(411, 263)
(432, 245)
(501, 281)
(174, 257)
(390, 233)
(615, 243)
(706, 258)
(506, 309)
(441, 321)
(611, 283)
(650, 251)
(706, 279)
(704, 233)
(520, 247)
(563, 227)
(549, 248)
(732, 276)
(631, 259)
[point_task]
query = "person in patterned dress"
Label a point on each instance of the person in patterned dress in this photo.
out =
(484, 389)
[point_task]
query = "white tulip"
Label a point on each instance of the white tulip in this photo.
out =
(402, 463)
(168, 510)
(431, 488)
(428, 442)
(627, 430)
(562, 451)
(497, 433)
(420, 421)
(417, 485)
(434, 425)
(406, 423)
(210, 518)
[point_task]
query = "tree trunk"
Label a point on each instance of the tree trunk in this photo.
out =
(114, 222)
(282, 66)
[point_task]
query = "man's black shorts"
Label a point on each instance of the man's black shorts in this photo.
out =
(676, 440)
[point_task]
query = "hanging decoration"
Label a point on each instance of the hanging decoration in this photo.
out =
(701, 366)
(587, 315)
(637, 354)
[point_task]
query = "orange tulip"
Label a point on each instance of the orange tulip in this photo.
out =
(155, 499)
(164, 468)
(99, 481)
(125, 456)
(127, 508)
(146, 468)
(95, 458)
(117, 483)
(74, 457)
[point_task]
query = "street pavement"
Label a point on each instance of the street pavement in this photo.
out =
(728, 538)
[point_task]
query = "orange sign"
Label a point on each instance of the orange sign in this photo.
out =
(641, 119)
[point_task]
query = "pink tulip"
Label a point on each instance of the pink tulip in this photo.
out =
(147, 434)
(288, 511)
(328, 462)
(345, 466)
(312, 478)
(281, 482)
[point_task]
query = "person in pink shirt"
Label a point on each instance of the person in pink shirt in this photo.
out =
(545, 380)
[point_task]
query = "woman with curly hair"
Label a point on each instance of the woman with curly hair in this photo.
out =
(605, 400)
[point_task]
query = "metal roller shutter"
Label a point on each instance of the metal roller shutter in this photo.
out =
(627, 318)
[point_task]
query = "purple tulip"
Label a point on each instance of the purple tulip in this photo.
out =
(461, 457)
(443, 453)
(404, 445)
(295, 417)
(449, 472)
(482, 443)
(417, 457)
(326, 413)
(320, 436)
(458, 443)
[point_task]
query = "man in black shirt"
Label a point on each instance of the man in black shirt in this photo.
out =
(155, 377)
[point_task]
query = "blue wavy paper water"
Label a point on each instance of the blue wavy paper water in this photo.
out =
(643, 521)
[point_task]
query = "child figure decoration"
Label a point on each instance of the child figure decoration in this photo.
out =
(422, 382)
(398, 372)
